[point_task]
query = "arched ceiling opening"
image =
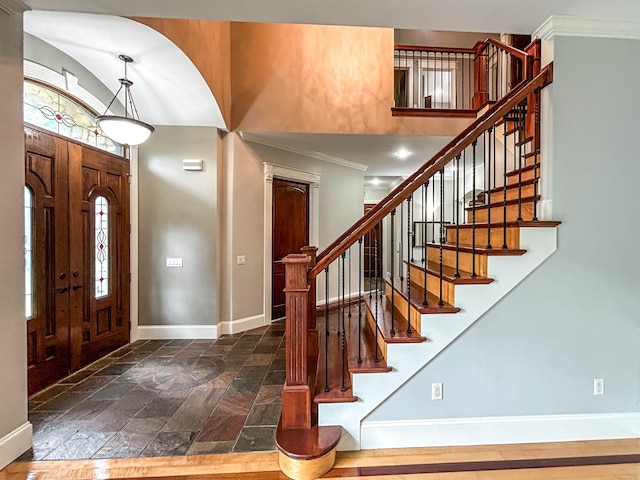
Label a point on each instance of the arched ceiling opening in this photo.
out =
(168, 89)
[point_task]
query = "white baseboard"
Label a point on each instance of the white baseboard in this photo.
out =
(499, 430)
(15, 443)
(241, 325)
(176, 332)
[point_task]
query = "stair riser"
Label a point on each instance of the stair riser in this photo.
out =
(526, 175)
(371, 323)
(433, 285)
(465, 259)
(401, 306)
(497, 238)
(512, 193)
(497, 213)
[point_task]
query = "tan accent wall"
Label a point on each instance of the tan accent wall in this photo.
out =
(206, 43)
(319, 79)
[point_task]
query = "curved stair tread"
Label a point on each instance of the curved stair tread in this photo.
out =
(307, 444)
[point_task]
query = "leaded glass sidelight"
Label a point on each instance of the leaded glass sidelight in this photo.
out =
(28, 252)
(101, 259)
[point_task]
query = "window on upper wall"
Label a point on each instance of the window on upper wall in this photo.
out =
(101, 258)
(28, 253)
(47, 108)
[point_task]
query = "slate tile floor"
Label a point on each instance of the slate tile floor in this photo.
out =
(166, 397)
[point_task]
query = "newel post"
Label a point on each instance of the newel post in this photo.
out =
(296, 394)
(534, 53)
(480, 92)
(311, 318)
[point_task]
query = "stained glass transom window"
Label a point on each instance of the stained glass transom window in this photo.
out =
(48, 109)
(28, 252)
(102, 246)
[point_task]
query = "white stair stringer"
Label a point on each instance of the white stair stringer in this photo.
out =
(406, 359)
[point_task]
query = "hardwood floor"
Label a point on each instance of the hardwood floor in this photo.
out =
(611, 459)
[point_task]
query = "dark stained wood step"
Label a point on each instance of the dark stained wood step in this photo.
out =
(384, 323)
(523, 224)
(417, 297)
(367, 344)
(491, 252)
(523, 169)
(524, 142)
(513, 201)
(513, 186)
(449, 274)
(532, 154)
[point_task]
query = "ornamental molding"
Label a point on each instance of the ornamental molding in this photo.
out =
(13, 7)
(566, 26)
(278, 171)
(302, 151)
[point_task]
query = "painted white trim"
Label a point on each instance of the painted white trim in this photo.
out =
(499, 430)
(66, 82)
(13, 7)
(176, 332)
(242, 325)
(302, 151)
(15, 443)
(567, 26)
(133, 243)
(287, 173)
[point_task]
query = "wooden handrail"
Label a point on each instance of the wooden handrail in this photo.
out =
(507, 48)
(431, 167)
(418, 48)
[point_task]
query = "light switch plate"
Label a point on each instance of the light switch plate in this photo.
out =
(174, 262)
(242, 260)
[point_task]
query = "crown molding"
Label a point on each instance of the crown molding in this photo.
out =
(13, 7)
(566, 26)
(302, 151)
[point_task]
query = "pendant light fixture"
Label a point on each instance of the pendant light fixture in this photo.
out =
(127, 129)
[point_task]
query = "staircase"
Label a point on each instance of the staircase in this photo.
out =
(477, 204)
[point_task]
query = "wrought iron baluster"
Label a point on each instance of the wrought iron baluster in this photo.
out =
(360, 300)
(424, 240)
(536, 139)
(326, 329)
(488, 193)
(349, 295)
(504, 187)
(343, 387)
(409, 269)
(393, 255)
(441, 301)
(457, 274)
(521, 131)
(400, 266)
(473, 212)
(376, 296)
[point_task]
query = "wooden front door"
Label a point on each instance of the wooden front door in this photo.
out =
(290, 233)
(80, 220)
(47, 249)
(371, 240)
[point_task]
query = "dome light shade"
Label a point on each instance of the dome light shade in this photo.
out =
(127, 129)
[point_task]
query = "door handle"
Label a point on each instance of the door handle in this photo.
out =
(77, 287)
(62, 290)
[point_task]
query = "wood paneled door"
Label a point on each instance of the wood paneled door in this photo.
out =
(290, 233)
(76, 204)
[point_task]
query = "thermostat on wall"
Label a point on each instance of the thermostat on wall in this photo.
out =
(190, 165)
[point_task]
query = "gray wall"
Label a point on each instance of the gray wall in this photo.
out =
(13, 342)
(178, 218)
(576, 317)
(41, 52)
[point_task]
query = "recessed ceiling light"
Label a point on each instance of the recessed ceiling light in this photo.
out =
(402, 153)
(376, 181)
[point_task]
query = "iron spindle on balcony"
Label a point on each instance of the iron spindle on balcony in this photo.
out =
(440, 301)
(488, 200)
(393, 255)
(343, 387)
(326, 329)
(457, 189)
(409, 198)
(473, 211)
(360, 300)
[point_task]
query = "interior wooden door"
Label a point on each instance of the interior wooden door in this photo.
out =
(290, 233)
(47, 250)
(99, 259)
(371, 240)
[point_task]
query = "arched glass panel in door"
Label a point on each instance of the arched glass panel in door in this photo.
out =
(101, 258)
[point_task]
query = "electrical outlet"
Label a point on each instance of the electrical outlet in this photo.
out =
(436, 391)
(598, 386)
(173, 262)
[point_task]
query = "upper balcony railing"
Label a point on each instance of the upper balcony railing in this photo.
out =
(455, 81)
